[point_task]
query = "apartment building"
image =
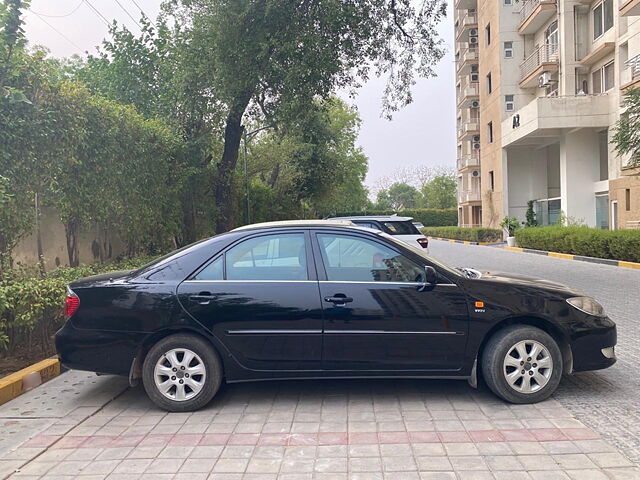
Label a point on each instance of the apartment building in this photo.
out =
(539, 88)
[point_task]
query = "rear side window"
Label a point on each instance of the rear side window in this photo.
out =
(367, 224)
(402, 228)
(268, 257)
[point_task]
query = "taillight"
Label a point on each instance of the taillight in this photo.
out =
(424, 242)
(71, 304)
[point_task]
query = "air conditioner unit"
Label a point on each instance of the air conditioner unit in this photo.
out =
(475, 104)
(544, 79)
(475, 173)
(476, 138)
(473, 40)
(476, 146)
(475, 77)
(473, 32)
(474, 68)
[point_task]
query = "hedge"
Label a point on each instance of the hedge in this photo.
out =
(31, 305)
(584, 241)
(429, 217)
(477, 234)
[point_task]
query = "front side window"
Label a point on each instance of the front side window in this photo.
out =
(356, 259)
(213, 271)
(268, 257)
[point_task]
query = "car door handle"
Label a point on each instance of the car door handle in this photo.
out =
(339, 299)
(203, 298)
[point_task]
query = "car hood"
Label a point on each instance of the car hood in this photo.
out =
(527, 281)
(102, 278)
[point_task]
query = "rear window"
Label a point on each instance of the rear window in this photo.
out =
(401, 228)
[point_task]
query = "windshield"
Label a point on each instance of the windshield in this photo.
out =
(401, 228)
(430, 259)
(165, 258)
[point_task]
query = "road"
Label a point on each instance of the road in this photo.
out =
(609, 400)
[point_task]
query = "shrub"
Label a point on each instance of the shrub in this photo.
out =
(585, 241)
(429, 217)
(31, 305)
(478, 234)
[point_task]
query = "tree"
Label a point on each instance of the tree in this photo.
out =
(279, 55)
(401, 196)
(440, 192)
(626, 139)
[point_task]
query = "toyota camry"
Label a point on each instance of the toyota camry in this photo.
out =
(326, 299)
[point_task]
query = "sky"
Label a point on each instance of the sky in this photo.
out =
(422, 133)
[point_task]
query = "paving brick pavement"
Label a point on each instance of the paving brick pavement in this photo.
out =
(358, 429)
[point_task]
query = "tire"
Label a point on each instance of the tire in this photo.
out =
(184, 391)
(539, 381)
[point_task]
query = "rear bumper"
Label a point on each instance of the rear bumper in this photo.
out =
(591, 347)
(100, 351)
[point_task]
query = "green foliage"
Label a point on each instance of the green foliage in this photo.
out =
(398, 196)
(476, 234)
(589, 242)
(429, 217)
(531, 215)
(626, 138)
(511, 224)
(440, 192)
(31, 305)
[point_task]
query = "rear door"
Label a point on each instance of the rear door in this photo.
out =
(260, 298)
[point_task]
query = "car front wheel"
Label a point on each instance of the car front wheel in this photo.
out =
(181, 373)
(522, 364)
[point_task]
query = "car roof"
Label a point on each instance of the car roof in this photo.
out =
(296, 223)
(384, 218)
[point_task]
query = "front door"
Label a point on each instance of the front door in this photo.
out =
(260, 298)
(377, 314)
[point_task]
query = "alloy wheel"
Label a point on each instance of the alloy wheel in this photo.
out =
(527, 366)
(180, 374)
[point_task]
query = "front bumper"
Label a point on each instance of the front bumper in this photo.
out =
(592, 343)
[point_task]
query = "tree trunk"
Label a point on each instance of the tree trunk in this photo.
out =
(39, 236)
(224, 192)
(71, 228)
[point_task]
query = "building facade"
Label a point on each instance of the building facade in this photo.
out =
(539, 88)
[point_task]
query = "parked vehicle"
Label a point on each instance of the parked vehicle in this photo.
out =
(402, 228)
(326, 299)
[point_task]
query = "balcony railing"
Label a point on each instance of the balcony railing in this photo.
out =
(468, 196)
(633, 64)
(528, 6)
(469, 160)
(547, 53)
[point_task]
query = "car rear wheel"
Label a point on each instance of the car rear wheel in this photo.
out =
(522, 364)
(182, 373)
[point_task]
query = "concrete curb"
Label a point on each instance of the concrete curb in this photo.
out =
(465, 242)
(11, 386)
(580, 258)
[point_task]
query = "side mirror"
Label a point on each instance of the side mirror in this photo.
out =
(430, 278)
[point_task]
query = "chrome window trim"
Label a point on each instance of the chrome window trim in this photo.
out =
(272, 332)
(250, 281)
(387, 332)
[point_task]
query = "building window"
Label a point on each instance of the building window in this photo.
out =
(490, 131)
(603, 79)
(489, 85)
(509, 105)
(491, 183)
(602, 18)
(487, 34)
(627, 199)
(508, 2)
(508, 49)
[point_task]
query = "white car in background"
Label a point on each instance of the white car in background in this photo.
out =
(401, 228)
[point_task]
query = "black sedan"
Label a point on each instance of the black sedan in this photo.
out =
(326, 299)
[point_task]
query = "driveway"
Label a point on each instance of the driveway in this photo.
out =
(83, 426)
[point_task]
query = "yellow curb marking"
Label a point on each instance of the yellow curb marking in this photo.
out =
(560, 255)
(629, 264)
(514, 249)
(11, 385)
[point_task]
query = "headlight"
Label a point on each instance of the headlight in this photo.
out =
(587, 305)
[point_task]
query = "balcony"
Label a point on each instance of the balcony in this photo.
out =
(465, 4)
(468, 161)
(543, 59)
(630, 8)
(468, 56)
(545, 118)
(534, 14)
(468, 128)
(466, 196)
(468, 90)
(467, 21)
(630, 76)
